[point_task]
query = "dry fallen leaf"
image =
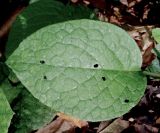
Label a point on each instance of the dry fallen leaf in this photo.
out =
(141, 34)
(117, 126)
(58, 126)
(4, 29)
(77, 122)
(124, 2)
(74, 1)
(148, 56)
(103, 125)
(143, 128)
(6, 26)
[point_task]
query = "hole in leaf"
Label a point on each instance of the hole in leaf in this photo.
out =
(42, 61)
(126, 101)
(95, 65)
(45, 77)
(104, 78)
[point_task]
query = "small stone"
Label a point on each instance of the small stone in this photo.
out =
(158, 95)
(131, 119)
(150, 111)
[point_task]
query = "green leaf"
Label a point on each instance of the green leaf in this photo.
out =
(32, 1)
(40, 14)
(10, 91)
(156, 34)
(13, 78)
(84, 68)
(30, 113)
(5, 113)
(155, 66)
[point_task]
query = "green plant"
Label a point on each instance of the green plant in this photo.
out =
(78, 65)
(85, 68)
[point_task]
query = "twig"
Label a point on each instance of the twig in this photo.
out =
(155, 75)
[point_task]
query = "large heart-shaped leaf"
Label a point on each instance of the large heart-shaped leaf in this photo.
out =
(84, 68)
(5, 113)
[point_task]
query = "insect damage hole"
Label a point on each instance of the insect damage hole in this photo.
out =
(126, 100)
(95, 65)
(42, 61)
(104, 78)
(44, 77)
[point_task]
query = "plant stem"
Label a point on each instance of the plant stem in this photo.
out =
(155, 75)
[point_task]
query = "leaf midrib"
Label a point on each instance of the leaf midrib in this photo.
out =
(102, 69)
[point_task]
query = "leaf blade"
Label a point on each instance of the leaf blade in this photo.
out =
(5, 113)
(69, 76)
(30, 114)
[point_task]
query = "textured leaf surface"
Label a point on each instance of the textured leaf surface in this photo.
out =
(83, 68)
(5, 113)
(40, 14)
(30, 113)
(156, 34)
(10, 91)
